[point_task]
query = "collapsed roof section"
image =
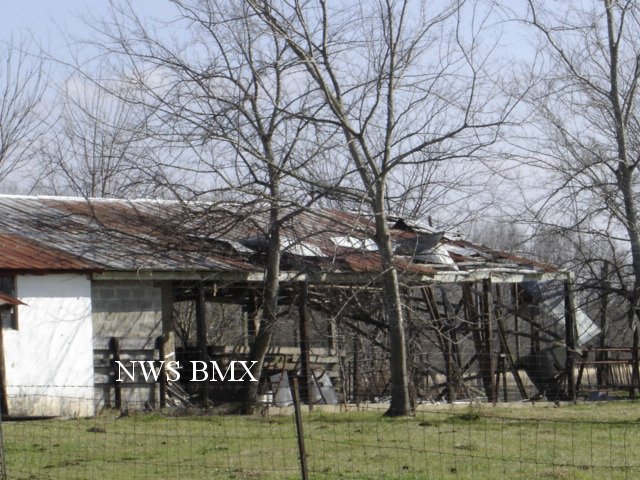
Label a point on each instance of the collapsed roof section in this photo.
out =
(160, 237)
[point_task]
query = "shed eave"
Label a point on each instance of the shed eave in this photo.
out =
(335, 278)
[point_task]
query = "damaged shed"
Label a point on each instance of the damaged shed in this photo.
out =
(91, 280)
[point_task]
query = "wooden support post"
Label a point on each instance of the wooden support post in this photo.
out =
(635, 362)
(167, 345)
(583, 359)
(114, 348)
(332, 344)
(535, 336)
(500, 360)
(305, 367)
(535, 331)
(355, 382)
(570, 338)
(162, 377)
(245, 329)
(201, 333)
(498, 374)
(488, 361)
(471, 313)
(456, 363)
(509, 359)
(516, 306)
(252, 317)
(602, 355)
(503, 368)
(506, 355)
(168, 322)
(501, 375)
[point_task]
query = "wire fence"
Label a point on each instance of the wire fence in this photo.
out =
(587, 440)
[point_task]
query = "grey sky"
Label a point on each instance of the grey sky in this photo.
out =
(49, 22)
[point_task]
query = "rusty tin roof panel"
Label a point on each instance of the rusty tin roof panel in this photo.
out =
(112, 235)
(58, 233)
(19, 253)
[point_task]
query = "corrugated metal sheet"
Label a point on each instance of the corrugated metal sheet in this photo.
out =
(19, 253)
(106, 234)
(56, 233)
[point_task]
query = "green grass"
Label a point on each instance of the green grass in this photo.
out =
(590, 441)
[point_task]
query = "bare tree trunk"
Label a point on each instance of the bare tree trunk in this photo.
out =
(400, 399)
(589, 138)
(624, 172)
(270, 304)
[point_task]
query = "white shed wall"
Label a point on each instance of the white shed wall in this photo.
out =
(49, 359)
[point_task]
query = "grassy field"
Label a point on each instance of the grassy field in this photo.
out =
(591, 441)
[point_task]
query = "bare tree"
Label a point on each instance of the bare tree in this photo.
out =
(585, 135)
(256, 94)
(23, 83)
(95, 146)
(224, 97)
(404, 82)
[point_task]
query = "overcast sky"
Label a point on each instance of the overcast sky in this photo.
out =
(50, 22)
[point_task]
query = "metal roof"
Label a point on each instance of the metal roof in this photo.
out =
(20, 253)
(78, 234)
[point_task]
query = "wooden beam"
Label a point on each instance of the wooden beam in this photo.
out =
(162, 378)
(516, 306)
(332, 334)
(487, 360)
(505, 349)
(570, 338)
(602, 354)
(253, 319)
(635, 362)
(473, 317)
(168, 322)
(114, 348)
(509, 359)
(497, 275)
(201, 334)
(355, 384)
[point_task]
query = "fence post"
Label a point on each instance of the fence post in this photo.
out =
(300, 434)
(3, 467)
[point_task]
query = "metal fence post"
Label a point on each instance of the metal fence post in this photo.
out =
(301, 450)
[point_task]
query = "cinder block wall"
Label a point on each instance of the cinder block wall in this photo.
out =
(131, 311)
(126, 309)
